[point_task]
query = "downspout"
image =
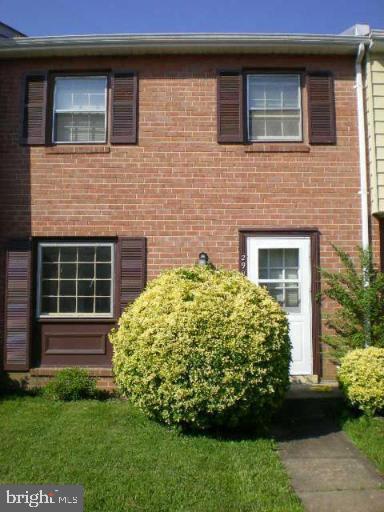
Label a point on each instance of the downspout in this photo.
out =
(363, 176)
(362, 148)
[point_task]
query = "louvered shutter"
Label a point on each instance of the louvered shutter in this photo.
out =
(17, 307)
(132, 269)
(124, 108)
(321, 109)
(34, 109)
(230, 106)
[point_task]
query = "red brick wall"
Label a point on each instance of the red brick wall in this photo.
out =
(177, 186)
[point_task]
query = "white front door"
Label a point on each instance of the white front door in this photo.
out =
(283, 265)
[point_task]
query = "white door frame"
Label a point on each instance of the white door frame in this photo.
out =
(312, 235)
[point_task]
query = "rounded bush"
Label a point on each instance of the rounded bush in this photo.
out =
(71, 384)
(203, 347)
(361, 376)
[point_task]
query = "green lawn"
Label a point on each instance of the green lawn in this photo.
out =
(368, 435)
(128, 463)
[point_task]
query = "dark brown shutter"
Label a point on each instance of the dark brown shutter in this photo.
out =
(17, 307)
(132, 269)
(124, 107)
(321, 109)
(230, 106)
(34, 109)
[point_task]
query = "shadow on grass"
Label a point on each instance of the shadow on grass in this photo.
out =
(249, 432)
(299, 418)
(10, 387)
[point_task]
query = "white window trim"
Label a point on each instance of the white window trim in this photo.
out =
(74, 315)
(299, 138)
(61, 111)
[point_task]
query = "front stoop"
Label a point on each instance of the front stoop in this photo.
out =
(304, 379)
(39, 377)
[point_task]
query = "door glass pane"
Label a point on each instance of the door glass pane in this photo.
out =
(263, 258)
(277, 292)
(276, 257)
(292, 296)
(279, 273)
(276, 273)
(291, 273)
(292, 257)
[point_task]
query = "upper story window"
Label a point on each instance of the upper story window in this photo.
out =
(75, 279)
(274, 107)
(79, 109)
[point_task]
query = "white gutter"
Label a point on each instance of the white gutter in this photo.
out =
(362, 148)
(109, 44)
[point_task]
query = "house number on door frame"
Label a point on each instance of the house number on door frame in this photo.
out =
(243, 264)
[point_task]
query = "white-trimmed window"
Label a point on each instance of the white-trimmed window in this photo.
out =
(274, 107)
(75, 279)
(79, 109)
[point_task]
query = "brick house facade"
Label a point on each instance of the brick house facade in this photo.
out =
(173, 192)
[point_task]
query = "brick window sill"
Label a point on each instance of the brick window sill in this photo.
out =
(77, 149)
(278, 148)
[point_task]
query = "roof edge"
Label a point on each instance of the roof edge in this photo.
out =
(177, 43)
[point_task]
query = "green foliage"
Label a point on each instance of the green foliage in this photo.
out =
(71, 384)
(361, 377)
(359, 292)
(203, 347)
(129, 464)
(367, 433)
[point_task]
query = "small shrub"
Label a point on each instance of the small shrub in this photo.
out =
(361, 376)
(71, 384)
(359, 292)
(203, 347)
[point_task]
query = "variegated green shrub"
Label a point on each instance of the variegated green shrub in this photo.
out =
(203, 347)
(361, 377)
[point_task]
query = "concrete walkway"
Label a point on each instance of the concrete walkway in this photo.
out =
(327, 472)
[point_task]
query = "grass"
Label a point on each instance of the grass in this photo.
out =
(128, 463)
(368, 435)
